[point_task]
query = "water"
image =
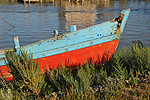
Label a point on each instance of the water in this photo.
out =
(37, 22)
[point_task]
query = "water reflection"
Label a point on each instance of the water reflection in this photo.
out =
(37, 22)
(76, 14)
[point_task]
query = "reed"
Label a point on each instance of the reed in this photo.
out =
(125, 76)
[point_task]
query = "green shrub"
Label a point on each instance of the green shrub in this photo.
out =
(125, 76)
(28, 80)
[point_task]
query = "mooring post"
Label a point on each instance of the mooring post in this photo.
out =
(16, 42)
(40, 1)
(24, 1)
(53, 2)
(29, 1)
(73, 28)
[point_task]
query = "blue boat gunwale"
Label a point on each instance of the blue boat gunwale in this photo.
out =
(71, 47)
(68, 40)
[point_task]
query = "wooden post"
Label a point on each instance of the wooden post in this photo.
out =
(53, 2)
(16, 42)
(40, 1)
(29, 1)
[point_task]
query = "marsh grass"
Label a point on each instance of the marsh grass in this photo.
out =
(125, 76)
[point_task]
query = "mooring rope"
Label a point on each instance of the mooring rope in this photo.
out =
(7, 22)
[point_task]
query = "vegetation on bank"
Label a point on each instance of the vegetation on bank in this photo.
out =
(125, 76)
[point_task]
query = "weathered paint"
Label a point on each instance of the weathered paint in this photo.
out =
(94, 53)
(5, 72)
(71, 49)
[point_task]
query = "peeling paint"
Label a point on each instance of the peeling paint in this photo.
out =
(2, 58)
(91, 43)
(66, 50)
(94, 46)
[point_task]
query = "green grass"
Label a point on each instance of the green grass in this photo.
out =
(125, 76)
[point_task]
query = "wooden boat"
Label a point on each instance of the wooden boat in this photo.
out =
(72, 49)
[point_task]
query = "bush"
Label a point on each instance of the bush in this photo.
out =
(125, 76)
(28, 80)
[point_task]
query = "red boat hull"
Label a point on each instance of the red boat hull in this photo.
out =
(74, 58)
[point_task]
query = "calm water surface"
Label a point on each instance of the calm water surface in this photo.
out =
(37, 22)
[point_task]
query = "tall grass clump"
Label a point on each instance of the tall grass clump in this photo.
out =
(130, 68)
(134, 59)
(28, 81)
(67, 83)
